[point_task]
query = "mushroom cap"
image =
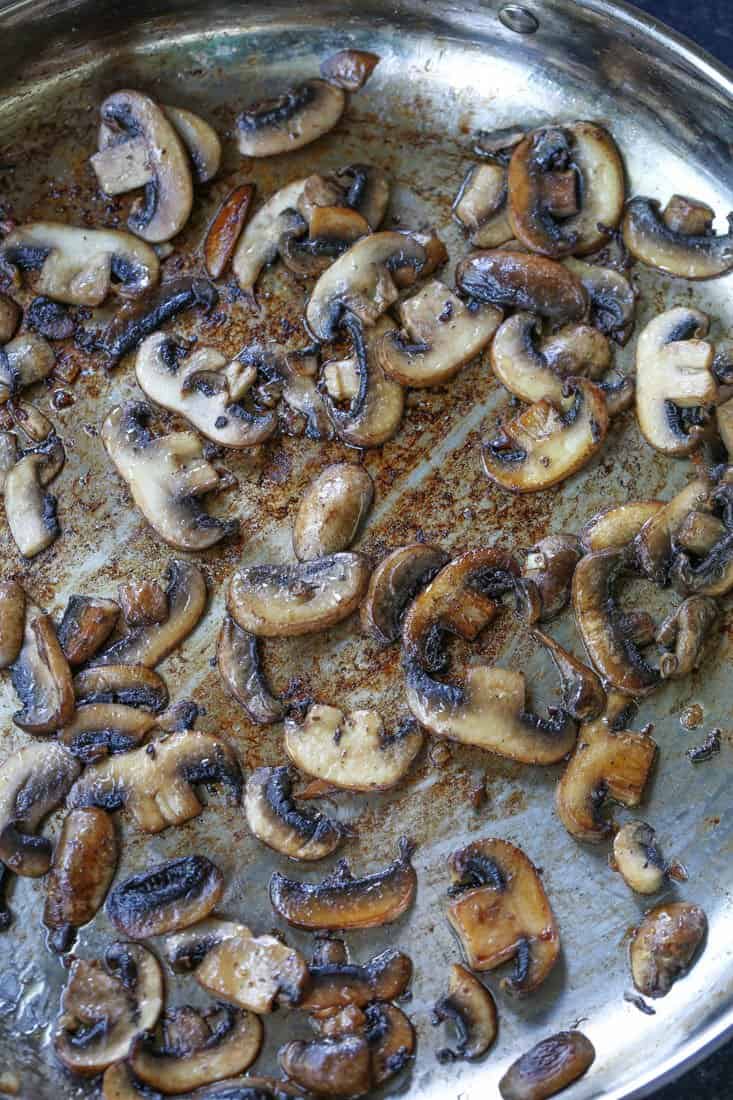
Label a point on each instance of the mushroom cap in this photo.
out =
(332, 510)
(521, 280)
(278, 821)
(549, 1067)
(291, 120)
(689, 256)
(33, 782)
(665, 946)
(27, 359)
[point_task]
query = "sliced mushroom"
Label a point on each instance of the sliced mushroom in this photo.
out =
(98, 729)
(105, 1005)
(332, 510)
(549, 1067)
(342, 901)
(547, 443)
(665, 945)
(200, 139)
(333, 1023)
(165, 898)
(238, 660)
(608, 763)
(469, 1006)
(685, 632)
(349, 69)
(24, 361)
(87, 623)
(653, 544)
(352, 751)
(699, 532)
(683, 252)
(601, 623)
(197, 1049)
(333, 229)
(500, 911)
(155, 782)
(394, 584)
(259, 244)
(548, 573)
(254, 972)
(520, 280)
(42, 678)
(612, 298)
(33, 782)
(582, 692)
(279, 822)
(337, 984)
(143, 603)
(712, 573)
(31, 421)
(8, 456)
(615, 527)
(481, 205)
(367, 191)
(12, 621)
(166, 476)
(723, 422)
(637, 857)
(272, 601)
(291, 120)
(376, 402)
(31, 512)
(50, 319)
(226, 228)
(83, 868)
(185, 950)
(137, 320)
(391, 1039)
(577, 349)
(10, 316)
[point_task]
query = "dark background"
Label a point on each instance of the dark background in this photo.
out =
(709, 23)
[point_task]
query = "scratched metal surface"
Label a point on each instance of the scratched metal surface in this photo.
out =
(443, 74)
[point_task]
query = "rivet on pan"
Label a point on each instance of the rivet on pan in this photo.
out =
(518, 19)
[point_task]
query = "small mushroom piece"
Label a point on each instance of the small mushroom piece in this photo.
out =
(332, 510)
(547, 443)
(549, 569)
(274, 601)
(615, 527)
(688, 216)
(197, 1049)
(137, 320)
(665, 945)
(699, 532)
(469, 1006)
(520, 366)
(31, 512)
(87, 623)
(155, 782)
(279, 822)
(98, 729)
(653, 544)
(83, 868)
(689, 255)
(10, 316)
(349, 69)
(549, 1067)
(12, 621)
(8, 456)
(391, 1039)
(104, 1006)
(500, 911)
(238, 660)
(582, 693)
(254, 972)
(185, 950)
(338, 984)
(367, 191)
(33, 782)
(342, 901)
(611, 296)
(143, 603)
(685, 632)
(259, 243)
(376, 402)
(78, 265)
(394, 584)
(338, 1067)
(42, 678)
(520, 280)
(352, 751)
(439, 335)
(200, 139)
(226, 228)
(637, 857)
(607, 763)
(165, 898)
(24, 361)
(50, 319)
(332, 230)
(166, 476)
(291, 120)
(481, 205)
(31, 421)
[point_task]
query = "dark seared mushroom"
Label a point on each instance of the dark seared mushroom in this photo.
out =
(10, 316)
(226, 228)
(12, 621)
(500, 911)
(332, 510)
(690, 255)
(42, 678)
(291, 120)
(394, 584)
(391, 1039)
(143, 602)
(352, 751)
(119, 1083)
(611, 296)
(253, 972)
(24, 361)
(332, 230)
(614, 527)
(279, 822)
(548, 571)
(684, 634)
(469, 1006)
(98, 729)
(342, 901)
(136, 321)
(608, 764)
(87, 623)
(582, 693)
(84, 865)
(155, 782)
(31, 512)
(376, 402)
(337, 983)
(709, 573)
(105, 1005)
(520, 280)
(652, 546)
(481, 205)
(33, 782)
(349, 69)
(549, 1067)
(238, 661)
(80, 265)
(50, 319)
(636, 856)
(165, 898)
(665, 945)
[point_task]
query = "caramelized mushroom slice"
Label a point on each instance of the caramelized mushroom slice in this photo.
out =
(332, 510)
(614, 527)
(134, 322)
(238, 660)
(376, 402)
(338, 984)
(712, 573)
(42, 678)
(143, 603)
(547, 443)
(105, 1005)
(500, 911)
(582, 695)
(394, 584)
(469, 1006)
(165, 898)
(291, 120)
(653, 544)
(367, 191)
(87, 623)
(549, 1067)
(279, 822)
(29, 509)
(8, 454)
(612, 298)
(98, 729)
(83, 868)
(685, 632)
(349, 69)
(549, 571)
(342, 901)
(254, 972)
(226, 228)
(33, 782)
(690, 255)
(329, 1067)
(391, 1039)
(272, 601)
(12, 621)
(259, 244)
(665, 945)
(155, 782)
(608, 763)
(481, 205)
(636, 856)
(520, 280)
(699, 532)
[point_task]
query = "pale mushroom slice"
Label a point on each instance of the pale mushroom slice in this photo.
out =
(684, 634)
(104, 1006)
(185, 950)
(332, 510)
(12, 621)
(86, 624)
(84, 865)
(27, 359)
(653, 544)
(438, 336)
(521, 280)
(469, 1006)
(166, 897)
(124, 165)
(31, 512)
(168, 195)
(637, 858)
(549, 1067)
(166, 475)
(665, 945)
(617, 525)
(204, 388)
(352, 751)
(200, 139)
(674, 373)
(376, 402)
(260, 242)
(136, 320)
(548, 442)
(342, 901)
(481, 205)
(254, 972)
(688, 250)
(500, 911)
(41, 677)
(273, 601)
(608, 763)
(291, 120)
(281, 823)
(395, 582)
(78, 265)
(155, 782)
(611, 296)
(33, 782)
(238, 661)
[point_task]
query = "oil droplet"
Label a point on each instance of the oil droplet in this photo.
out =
(692, 717)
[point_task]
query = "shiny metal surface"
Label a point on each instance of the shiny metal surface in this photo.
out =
(446, 70)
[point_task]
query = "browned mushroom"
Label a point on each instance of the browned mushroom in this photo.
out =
(33, 782)
(254, 972)
(394, 583)
(291, 120)
(469, 1006)
(549, 1067)
(143, 602)
(665, 945)
(582, 692)
(679, 248)
(523, 281)
(349, 69)
(684, 634)
(375, 401)
(612, 299)
(12, 621)
(636, 856)
(134, 322)
(336, 983)
(481, 204)
(548, 573)
(129, 685)
(165, 898)
(653, 543)
(238, 660)
(83, 868)
(278, 821)
(87, 623)
(615, 526)
(42, 678)
(226, 228)
(332, 510)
